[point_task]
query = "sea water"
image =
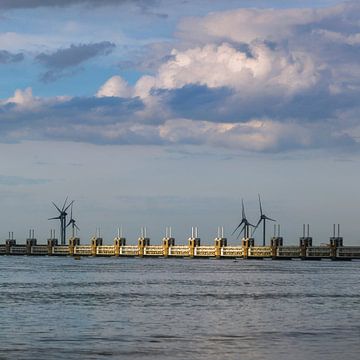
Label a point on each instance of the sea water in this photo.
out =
(129, 308)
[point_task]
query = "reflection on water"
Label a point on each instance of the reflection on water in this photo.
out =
(59, 308)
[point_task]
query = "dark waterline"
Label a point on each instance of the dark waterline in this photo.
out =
(60, 308)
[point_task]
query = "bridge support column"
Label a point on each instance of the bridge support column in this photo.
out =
(167, 243)
(73, 241)
(51, 243)
(8, 244)
(118, 242)
(95, 242)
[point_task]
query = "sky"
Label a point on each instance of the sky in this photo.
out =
(168, 113)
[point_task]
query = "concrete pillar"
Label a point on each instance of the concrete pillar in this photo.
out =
(29, 244)
(245, 246)
(276, 242)
(95, 242)
(141, 245)
(167, 243)
(51, 243)
(220, 242)
(193, 243)
(8, 244)
(73, 241)
(118, 243)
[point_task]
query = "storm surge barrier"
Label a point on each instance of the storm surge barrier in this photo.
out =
(335, 250)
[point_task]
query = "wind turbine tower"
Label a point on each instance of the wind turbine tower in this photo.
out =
(62, 218)
(263, 218)
(244, 225)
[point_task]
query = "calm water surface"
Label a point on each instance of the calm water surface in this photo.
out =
(60, 308)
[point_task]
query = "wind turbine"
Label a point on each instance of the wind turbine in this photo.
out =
(244, 222)
(62, 218)
(263, 219)
(72, 221)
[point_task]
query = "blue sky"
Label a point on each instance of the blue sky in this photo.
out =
(167, 113)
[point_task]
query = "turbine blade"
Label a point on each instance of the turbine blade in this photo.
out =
(236, 229)
(243, 228)
(56, 207)
(69, 205)
(77, 227)
(65, 203)
(55, 218)
(261, 212)
(242, 222)
(267, 218)
(258, 223)
(243, 209)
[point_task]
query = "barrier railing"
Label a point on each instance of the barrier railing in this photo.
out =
(204, 251)
(260, 251)
(39, 250)
(179, 250)
(84, 250)
(105, 250)
(18, 250)
(129, 250)
(319, 251)
(154, 250)
(348, 252)
(288, 251)
(232, 251)
(60, 250)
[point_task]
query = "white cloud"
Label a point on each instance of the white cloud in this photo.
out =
(246, 25)
(115, 86)
(225, 66)
(144, 86)
(24, 99)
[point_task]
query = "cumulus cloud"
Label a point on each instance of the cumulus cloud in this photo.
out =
(22, 99)
(255, 80)
(224, 65)
(71, 57)
(115, 86)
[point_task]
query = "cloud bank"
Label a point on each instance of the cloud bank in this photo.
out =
(29, 4)
(255, 80)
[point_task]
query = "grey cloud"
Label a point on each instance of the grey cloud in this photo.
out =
(19, 180)
(76, 119)
(75, 54)
(7, 57)
(61, 60)
(268, 108)
(117, 121)
(28, 4)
